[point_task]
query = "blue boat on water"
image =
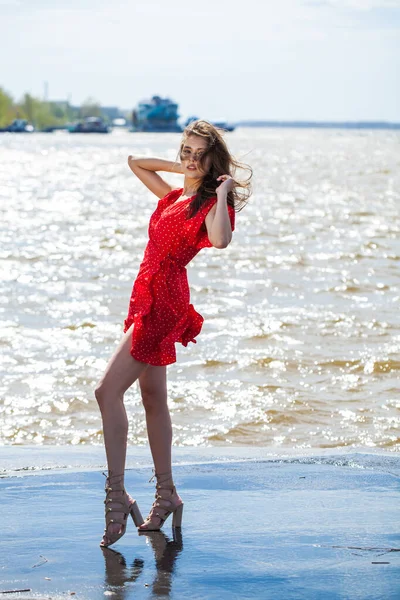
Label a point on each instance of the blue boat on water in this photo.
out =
(19, 126)
(89, 125)
(156, 115)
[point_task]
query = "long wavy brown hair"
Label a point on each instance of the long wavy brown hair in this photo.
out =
(222, 163)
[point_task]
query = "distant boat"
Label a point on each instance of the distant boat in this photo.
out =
(156, 115)
(89, 125)
(224, 125)
(52, 128)
(219, 124)
(19, 126)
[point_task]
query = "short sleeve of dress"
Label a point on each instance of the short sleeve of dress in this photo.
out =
(202, 239)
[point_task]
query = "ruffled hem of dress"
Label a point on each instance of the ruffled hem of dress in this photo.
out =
(186, 330)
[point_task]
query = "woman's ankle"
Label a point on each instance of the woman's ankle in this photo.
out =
(114, 480)
(165, 479)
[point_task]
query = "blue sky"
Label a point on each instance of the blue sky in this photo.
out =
(248, 59)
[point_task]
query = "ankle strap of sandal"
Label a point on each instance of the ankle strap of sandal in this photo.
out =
(115, 480)
(158, 475)
(111, 475)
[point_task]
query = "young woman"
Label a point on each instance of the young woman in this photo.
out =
(199, 215)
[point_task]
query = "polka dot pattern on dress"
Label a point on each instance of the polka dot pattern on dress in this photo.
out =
(159, 306)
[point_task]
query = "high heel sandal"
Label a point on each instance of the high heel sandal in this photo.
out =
(164, 505)
(114, 483)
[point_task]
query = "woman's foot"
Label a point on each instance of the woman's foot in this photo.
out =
(167, 501)
(118, 505)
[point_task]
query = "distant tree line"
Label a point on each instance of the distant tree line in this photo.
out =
(44, 114)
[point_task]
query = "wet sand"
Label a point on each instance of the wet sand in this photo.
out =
(255, 525)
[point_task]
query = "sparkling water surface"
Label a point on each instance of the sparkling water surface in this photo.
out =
(300, 348)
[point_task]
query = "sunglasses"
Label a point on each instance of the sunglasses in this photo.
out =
(186, 154)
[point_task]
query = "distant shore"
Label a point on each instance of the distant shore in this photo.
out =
(322, 124)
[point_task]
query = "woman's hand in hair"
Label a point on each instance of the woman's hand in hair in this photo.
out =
(227, 184)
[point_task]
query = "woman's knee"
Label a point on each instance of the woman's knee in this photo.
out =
(100, 395)
(154, 400)
(104, 395)
(153, 387)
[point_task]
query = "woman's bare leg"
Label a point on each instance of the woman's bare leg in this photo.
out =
(121, 372)
(153, 387)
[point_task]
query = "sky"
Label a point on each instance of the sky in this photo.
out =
(336, 60)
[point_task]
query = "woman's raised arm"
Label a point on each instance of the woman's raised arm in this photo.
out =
(146, 169)
(217, 221)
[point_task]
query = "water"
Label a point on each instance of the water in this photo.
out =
(300, 348)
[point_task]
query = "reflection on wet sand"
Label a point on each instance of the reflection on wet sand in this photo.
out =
(166, 551)
(117, 573)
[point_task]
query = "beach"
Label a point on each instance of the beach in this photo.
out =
(255, 526)
(285, 412)
(285, 403)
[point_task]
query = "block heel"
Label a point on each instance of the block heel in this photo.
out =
(167, 502)
(177, 516)
(136, 514)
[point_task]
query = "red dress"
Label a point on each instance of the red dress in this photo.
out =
(160, 306)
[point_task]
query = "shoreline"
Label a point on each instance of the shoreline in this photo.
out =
(20, 460)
